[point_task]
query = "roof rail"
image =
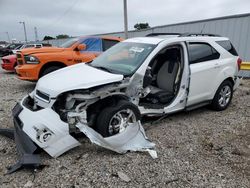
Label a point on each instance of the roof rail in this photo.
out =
(184, 34)
(157, 34)
(198, 34)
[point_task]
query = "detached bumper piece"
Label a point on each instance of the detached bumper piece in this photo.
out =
(25, 146)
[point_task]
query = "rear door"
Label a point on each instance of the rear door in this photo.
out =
(204, 66)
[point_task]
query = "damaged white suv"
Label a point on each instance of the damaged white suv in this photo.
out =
(154, 75)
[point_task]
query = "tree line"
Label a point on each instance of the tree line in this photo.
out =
(138, 26)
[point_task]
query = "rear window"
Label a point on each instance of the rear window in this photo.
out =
(227, 45)
(200, 52)
(108, 43)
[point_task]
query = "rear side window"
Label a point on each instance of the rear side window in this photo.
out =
(199, 52)
(227, 45)
(108, 43)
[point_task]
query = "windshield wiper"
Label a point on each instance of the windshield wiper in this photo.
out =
(102, 68)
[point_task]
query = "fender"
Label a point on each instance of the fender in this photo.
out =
(224, 74)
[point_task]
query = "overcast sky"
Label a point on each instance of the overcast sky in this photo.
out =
(83, 17)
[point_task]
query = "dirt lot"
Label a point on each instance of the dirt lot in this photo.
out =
(201, 148)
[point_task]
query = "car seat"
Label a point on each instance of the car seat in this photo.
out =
(164, 91)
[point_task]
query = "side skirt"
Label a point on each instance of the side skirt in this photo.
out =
(198, 105)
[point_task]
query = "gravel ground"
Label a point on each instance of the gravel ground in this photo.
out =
(201, 148)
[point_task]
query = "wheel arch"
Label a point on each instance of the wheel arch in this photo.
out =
(49, 64)
(230, 79)
(94, 109)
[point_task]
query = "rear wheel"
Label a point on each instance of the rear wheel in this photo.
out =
(223, 96)
(115, 119)
(49, 70)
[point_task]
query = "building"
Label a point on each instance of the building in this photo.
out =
(236, 28)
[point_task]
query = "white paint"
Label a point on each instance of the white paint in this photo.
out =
(78, 76)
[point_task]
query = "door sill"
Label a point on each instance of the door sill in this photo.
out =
(198, 105)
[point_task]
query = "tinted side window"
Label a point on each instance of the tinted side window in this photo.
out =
(199, 52)
(226, 44)
(106, 44)
(92, 44)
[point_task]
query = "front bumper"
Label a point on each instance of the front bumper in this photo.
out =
(25, 147)
(45, 128)
(8, 66)
(28, 72)
(34, 130)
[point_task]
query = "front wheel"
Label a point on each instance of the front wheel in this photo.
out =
(113, 120)
(223, 96)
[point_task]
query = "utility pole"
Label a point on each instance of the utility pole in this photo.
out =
(36, 35)
(125, 18)
(8, 36)
(25, 34)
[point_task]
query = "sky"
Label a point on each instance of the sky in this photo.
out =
(85, 17)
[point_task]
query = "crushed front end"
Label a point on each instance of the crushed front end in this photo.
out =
(50, 123)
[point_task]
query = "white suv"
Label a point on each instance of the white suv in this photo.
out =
(154, 75)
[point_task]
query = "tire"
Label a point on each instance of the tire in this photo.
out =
(49, 70)
(109, 120)
(223, 96)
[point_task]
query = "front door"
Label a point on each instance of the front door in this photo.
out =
(179, 103)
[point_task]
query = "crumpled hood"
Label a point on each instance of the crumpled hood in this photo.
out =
(28, 51)
(78, 76)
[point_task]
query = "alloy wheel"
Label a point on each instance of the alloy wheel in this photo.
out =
(120, 121)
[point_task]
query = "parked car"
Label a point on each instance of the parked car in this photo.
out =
(8, 49)
(9, 62)
(35, 45)
(152, 76)
(35, 63)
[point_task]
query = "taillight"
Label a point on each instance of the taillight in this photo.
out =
(239, 61)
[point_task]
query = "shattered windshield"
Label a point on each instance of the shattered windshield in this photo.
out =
(69, 43)
(123, 58)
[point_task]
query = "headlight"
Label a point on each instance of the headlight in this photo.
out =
(31, 59)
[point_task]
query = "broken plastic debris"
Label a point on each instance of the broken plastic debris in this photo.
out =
(133, 138)
(123, 176)
(152, 153)
(28, 184)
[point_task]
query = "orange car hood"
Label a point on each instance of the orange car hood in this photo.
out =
(42, 50)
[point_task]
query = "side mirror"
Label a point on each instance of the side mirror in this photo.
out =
(81, 47)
